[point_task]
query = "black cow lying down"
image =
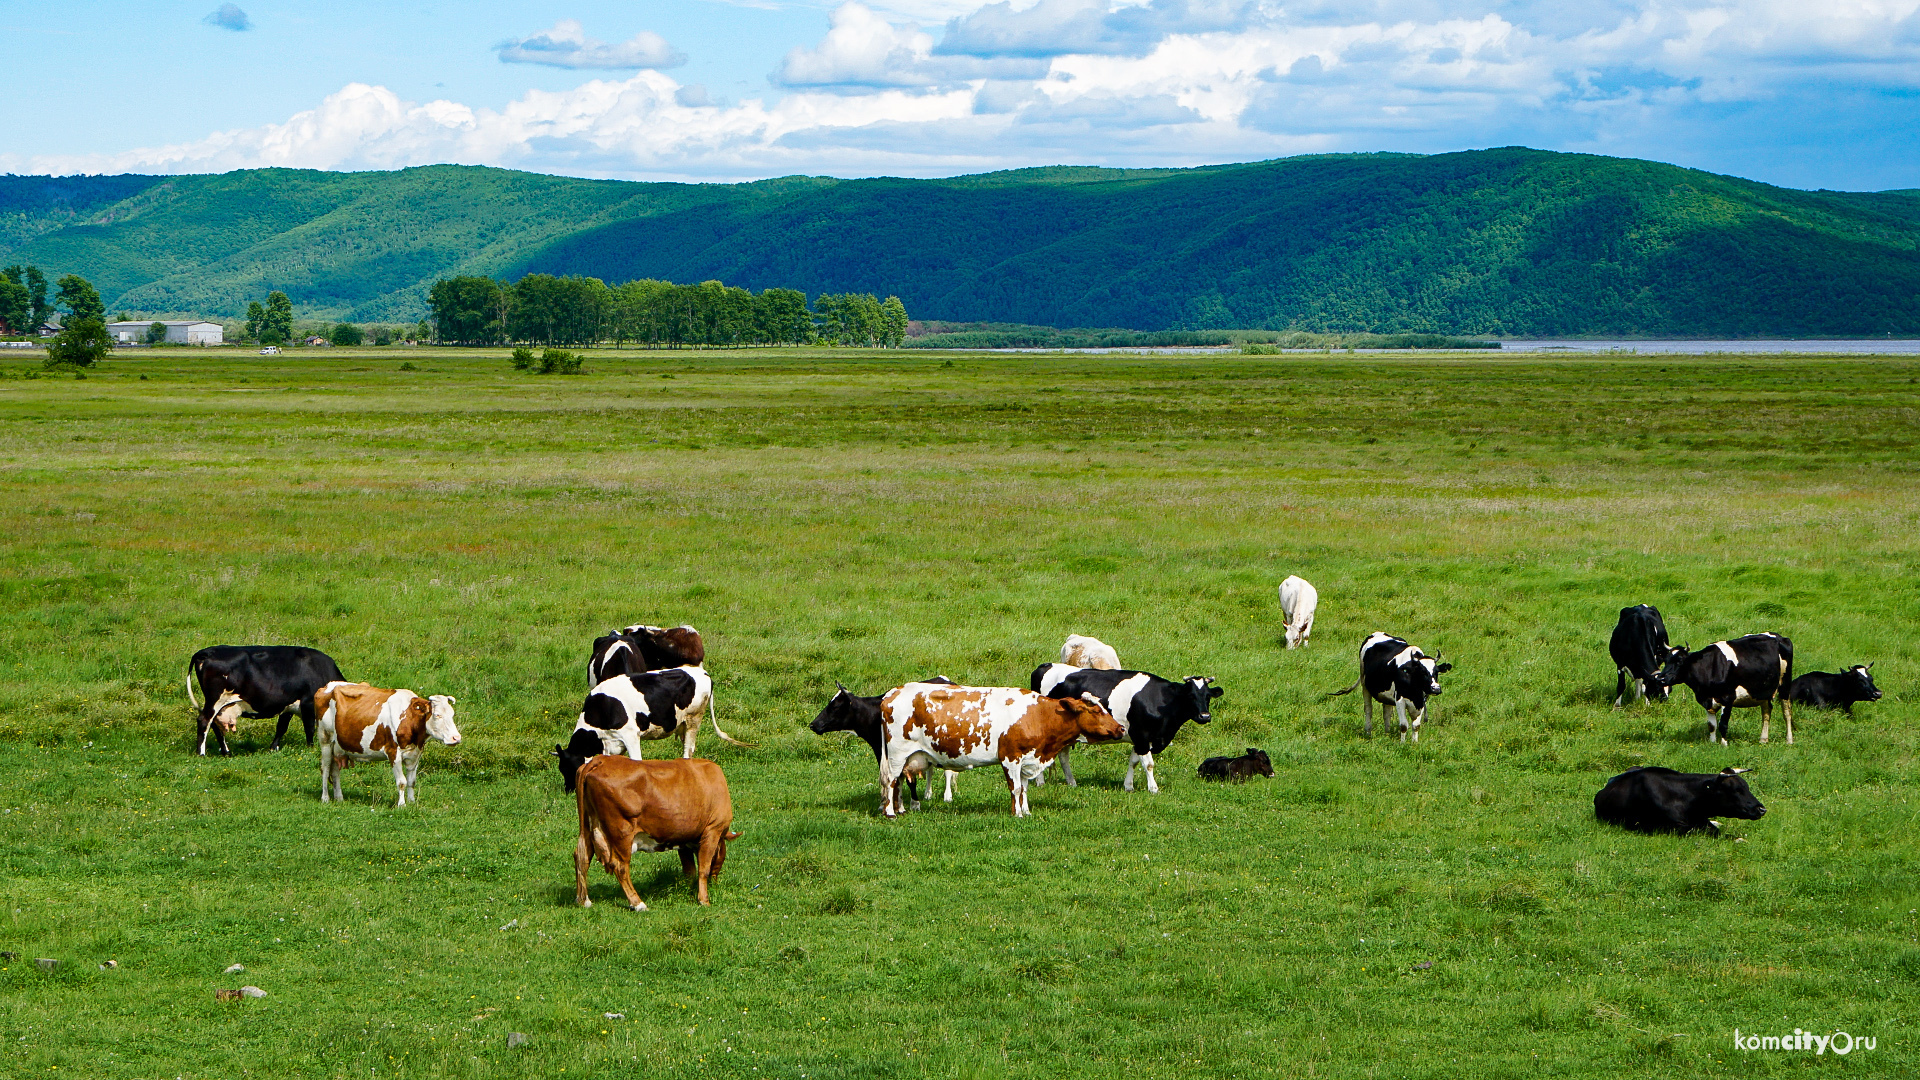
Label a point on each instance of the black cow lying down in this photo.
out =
(1653, 799)
(1827, 690)
(1252, 763)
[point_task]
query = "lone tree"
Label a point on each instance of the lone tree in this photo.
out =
(346, 334)
(276, 325)
(157, 333)
(83, 336)
(80, 299)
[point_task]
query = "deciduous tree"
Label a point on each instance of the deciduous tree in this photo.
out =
(81, 300)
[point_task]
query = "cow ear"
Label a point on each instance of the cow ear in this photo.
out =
(1870, 664)
(1442, 669)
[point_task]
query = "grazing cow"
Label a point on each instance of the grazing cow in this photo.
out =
(1826, 690)
(1148, 708)
(634, 649)
(961, 727)
(1395, 673)
(365, 723)
(626, 710)
(1252, 763)
(1742, 673)
(1639, 648)
(1652, 799)
(271, 680)
(1298, 598)
(847, 711)
(1085, 652)
(627, 806)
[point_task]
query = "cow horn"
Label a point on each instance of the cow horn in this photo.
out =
(1731, 771)
(841, 685)
(1870, 664)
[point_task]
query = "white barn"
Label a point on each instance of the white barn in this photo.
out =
(179, 331)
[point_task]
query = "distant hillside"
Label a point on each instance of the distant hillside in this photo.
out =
(1511, 241)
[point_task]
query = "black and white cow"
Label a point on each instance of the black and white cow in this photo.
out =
(1395, 673)
(848, 711)
(1652, 799)
(633, 649)
(1149, 709)
(271, 680)
(626, 710)
(1742, 673)
(1826, 690)
(1639, 648)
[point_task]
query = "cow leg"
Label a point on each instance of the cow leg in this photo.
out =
(1066, 767)
(1153, 786)
(1132, 760)
(1620, 688)
(582, 858)
(1419, 715)
(686, 737)
(326, 772)
(280, 726)
(688, 864)
(307, 719)
(1766, 719)
(709, 849)
(1726, 717)
(1713, 721)
(1366, 703)
(889, 787)
(949, 796)
(620, 848)
(413, 778)
(400, 779)
(206, 726)
(1786, 710)
(1016, 787)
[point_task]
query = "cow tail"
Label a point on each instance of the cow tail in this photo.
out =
(190, 697)
(1350, 689)
(714, 719)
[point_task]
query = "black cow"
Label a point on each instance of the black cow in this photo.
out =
(1395, 673)
(634, 649)
(1826, 690)
(1150, 709)
(847, 711)
(1252, 763)
(1742, 673)
(1652, 799)
(1639, 648)
(273, 680)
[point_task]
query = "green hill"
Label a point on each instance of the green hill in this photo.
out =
(1510, 241)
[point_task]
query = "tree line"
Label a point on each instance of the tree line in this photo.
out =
(548, 310)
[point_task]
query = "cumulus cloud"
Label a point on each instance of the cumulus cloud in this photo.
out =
(566, 45)
(1702, 82)
(228, 17)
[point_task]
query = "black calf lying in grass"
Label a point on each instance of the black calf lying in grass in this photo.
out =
(1253, 762)
(1653, 799)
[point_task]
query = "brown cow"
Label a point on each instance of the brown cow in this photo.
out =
(628, 806)
(365, 723)
(963, 727)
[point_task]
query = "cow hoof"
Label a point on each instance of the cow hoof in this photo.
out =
(586, 903)
(639, 907)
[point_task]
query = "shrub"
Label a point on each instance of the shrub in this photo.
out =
(559, 362)
(346, 334)
(157, 333)
(523, 359)
(84, 342)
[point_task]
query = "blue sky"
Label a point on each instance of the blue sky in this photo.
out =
(1797, 93)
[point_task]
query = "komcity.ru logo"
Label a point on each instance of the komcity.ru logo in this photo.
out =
(1839, 1042)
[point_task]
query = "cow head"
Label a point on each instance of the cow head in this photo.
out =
(583, 745)
(1201, 693)
(1727, 794)
(1091, 718)
(1674, 670)
(1860, 683)
(226, 711)
(1421, 675)
(838, 714)
(440, 724)
(1261, 763)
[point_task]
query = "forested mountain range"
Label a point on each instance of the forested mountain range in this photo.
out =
(1510, 241)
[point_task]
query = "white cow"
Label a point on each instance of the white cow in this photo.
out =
(1085, 652)
(1298, 598)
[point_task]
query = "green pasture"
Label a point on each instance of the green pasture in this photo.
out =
(1377, 909)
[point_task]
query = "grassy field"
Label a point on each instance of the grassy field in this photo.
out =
(822, 517)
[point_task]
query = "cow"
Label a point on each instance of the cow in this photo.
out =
(961, 727)
(1252, 763)
(626, 710)
(1742, 673)
(1652, 799)
(271, 680)
(680, 804)
(225, 719)
(637, 648)
(1148, 708)
(365, 723)
(1298, 598)
(1395, 673)
(1826, 690)
(1085, 652)
(847, 711)
(1639, 648)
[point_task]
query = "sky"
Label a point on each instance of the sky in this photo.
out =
(1803, 93)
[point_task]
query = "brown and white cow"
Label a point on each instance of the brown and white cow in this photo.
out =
(627, 806)
(963, 727)
(1086, 652)
(223, 719)
(366, 723)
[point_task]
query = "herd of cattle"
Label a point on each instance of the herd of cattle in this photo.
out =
(649, 682)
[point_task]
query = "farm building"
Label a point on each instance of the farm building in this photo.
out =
(179, 331)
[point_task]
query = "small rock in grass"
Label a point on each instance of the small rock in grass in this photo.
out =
(514, 1038)
(46, 964)
(614, 1016)
(226, 995)
(253, 991)
(1423, 965)
(235, 969)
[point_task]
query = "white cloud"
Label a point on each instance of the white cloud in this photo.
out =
(1163, 82)
(567, 45)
